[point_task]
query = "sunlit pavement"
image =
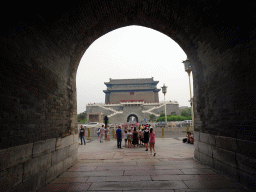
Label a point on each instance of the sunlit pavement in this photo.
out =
(104, 167)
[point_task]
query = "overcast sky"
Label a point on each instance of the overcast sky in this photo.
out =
(129, 53)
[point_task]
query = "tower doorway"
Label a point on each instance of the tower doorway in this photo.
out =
(132, 118)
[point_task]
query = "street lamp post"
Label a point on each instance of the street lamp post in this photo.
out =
(188, 69)
(164, 90)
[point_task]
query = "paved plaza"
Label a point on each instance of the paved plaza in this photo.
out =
(104, 167)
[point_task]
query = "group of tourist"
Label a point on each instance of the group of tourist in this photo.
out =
(144, 135)
(134, 137)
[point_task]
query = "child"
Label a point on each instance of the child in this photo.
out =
(152, 141)
(125, 138)
(129, 138)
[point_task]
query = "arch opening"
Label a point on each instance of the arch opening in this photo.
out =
(132, 118)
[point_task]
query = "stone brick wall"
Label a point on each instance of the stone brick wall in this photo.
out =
(230, 156)
(29, 167)
(224, 110)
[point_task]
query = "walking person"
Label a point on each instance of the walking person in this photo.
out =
(135, 138)
(146, 138)
(119, 136)
(152, 137)
(82, 134)
(102, 131)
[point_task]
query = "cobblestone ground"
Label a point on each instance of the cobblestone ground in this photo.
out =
(104, 167)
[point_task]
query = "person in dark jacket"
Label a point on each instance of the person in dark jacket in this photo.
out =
(135, 138)
(82, 134)
(146, 138)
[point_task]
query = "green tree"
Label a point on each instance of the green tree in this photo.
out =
(81, 117)
(152, 117)
(162, 114)
(185, 112)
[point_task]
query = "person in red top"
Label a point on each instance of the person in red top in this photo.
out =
(152, 136)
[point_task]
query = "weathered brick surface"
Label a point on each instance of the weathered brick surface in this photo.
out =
(11, 177)
(227, 143)
(54, 171)
(36, 165)
(64, 142)
(226, 169)
(40, 54)
(224, 156)
(205, 148)
(44, 147)
(206, 160)
(59, 155)
(246, 163)
(15, 155)
(207, 138)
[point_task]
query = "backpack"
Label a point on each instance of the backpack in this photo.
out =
(129, 136)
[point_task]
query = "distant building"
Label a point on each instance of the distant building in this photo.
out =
(120, 90)
(138, 98)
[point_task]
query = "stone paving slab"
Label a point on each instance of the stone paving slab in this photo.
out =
(138, 185)
(66, 187)
(124, 167)
(92, 174)
(185, 177)
(119, 161)
(119, 178)
(85, 168)
(210, 190)
(70, 180)
(185, 165)
(154, 172)
(213, 184)
(198, 171)
(173, 169)
(155, 190)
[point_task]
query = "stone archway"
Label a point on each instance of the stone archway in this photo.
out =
(40, 53)
(133, 115)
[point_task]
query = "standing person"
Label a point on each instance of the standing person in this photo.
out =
(102, 130)
(119, 137)
(135, 138)
(152, 137)
(106, 121)
(125, 137)
(107, 132)
(82, 134)
(129, 138)
(146, 138)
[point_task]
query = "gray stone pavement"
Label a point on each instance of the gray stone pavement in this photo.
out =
(104, 167)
